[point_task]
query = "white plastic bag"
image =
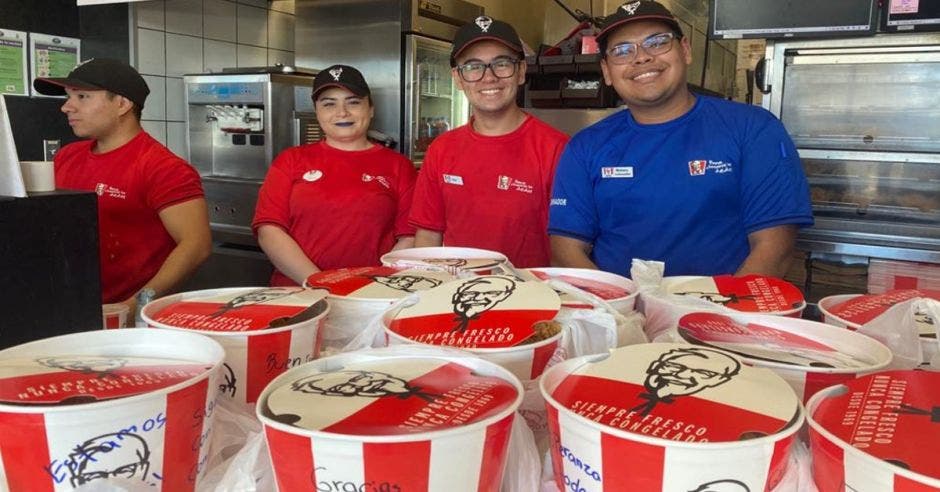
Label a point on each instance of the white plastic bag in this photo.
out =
(238, 455)
(523, 466)
(897, 329)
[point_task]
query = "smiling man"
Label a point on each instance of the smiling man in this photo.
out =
(705, 185)
(153, 225)
(486, 184)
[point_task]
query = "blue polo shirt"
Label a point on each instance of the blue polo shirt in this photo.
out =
(686, 192)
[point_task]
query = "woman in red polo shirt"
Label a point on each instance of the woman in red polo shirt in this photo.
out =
(340, 202)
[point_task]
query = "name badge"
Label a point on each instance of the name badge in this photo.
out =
(617, 172)
(454, 180)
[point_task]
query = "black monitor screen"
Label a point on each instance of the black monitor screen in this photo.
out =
(733, 19)
(911, 15)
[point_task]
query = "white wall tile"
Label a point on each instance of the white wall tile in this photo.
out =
(184, 17)
(282, 6)
(176, 138)
(252, 56)
(151, 52)
(175, 106)
(155, 105)
(252, 25)
(219, 20)
(184, 55)
(219, 55)
(280, 31)
(156, 129)
(282, 57)
(149, 14)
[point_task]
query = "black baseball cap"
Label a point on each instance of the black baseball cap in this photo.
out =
(484, 28)
(340, 76)
(98, 74)
(635, 11)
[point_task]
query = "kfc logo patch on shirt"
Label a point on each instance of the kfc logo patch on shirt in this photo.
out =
(697, 168)
(366, 178)
(617, 172)
(104, 190)
(453, 179)
(507, 183)
(311, 176)
(700, 167)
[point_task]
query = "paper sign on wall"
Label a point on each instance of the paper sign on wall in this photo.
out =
(52, 56)
(13, 63)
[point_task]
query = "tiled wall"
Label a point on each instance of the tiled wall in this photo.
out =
(177, 37)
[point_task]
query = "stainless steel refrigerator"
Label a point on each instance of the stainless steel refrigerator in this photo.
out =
(402, 47)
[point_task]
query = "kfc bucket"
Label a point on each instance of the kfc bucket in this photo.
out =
(667, 417)
(855, 310)
(384, 419)
(264, 330)
(453, 260)
(749, 294)
(808, 355)
(130, 407)
(877, 433)
(619, 292)
(356, 295)
(496, 317)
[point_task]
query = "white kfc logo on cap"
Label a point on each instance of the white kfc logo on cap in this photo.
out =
(336, 72)
(630, 8)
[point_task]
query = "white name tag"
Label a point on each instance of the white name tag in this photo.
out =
(617, 172)
(454, 180)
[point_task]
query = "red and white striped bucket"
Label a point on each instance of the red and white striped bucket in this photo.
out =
(381, 420)
(493, 317)
(852, 311)
(667, 417)
(618, 291)
(808, 355)
(131, 407)
(264, 330)
(451, 259)
(356, 295)
(114, 316)
(878, 433)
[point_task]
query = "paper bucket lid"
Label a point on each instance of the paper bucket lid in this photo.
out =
(647, 389)
(777, 341)
(377, 283)
(235, 310)
(493, 311)
(366, 395)
(448, 258)
(861, 309)
(749, 293)
(605, 285)
(893, 416)
(83, 368)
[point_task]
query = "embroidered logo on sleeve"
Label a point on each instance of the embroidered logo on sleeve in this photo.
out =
(617, 172)
(311, 176)
(453, 179)
(102, 189)
(507, 183)
(700, 167)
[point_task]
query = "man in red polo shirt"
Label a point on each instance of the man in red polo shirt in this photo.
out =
(153, 223)
(487, 184)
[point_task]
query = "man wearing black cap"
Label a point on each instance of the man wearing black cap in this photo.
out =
(706, 185)
(486, 184)
(152, 218)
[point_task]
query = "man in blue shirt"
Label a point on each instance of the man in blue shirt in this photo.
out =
(706, 185)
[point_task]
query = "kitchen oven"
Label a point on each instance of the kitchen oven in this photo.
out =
(865, 116)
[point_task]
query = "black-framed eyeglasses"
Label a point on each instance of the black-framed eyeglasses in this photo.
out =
(474, 71)
(653, 45)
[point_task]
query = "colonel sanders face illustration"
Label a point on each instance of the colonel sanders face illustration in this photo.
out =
(227, 387)
(446, 262)
(353, 383)
(406, 283)
(259, 296)
(99, 366)
(722, 486)
(481, 294)
(716, 297)
(682, 372)
(119, 455)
